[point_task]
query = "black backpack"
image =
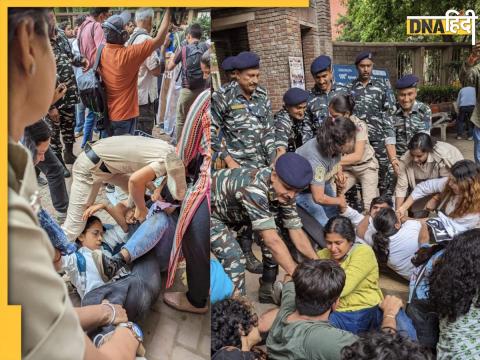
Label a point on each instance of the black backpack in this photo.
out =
(191, 56)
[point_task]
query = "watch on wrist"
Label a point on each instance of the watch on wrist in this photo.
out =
(135, 329)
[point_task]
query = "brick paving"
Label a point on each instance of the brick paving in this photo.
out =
(169, 334)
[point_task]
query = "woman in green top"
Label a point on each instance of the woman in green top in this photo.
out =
(358, 310)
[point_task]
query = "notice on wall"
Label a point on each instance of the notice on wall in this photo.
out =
(297, 75)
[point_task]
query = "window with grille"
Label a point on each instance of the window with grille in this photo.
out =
(432, 63)
(404, 62)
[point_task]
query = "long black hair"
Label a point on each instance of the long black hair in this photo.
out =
(384, 222)
(455, 278)
(333, 133)
(342, 103)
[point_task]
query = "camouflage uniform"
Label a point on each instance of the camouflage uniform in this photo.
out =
(374, 105)
(241, 197)
(64, 60)
(317, 107)
(290, 133)
(407, 125)
(246, 126)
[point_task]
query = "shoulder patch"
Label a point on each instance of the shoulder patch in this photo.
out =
(238, 106)
(320, 172)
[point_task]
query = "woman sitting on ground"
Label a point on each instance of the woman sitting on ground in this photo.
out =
(425, 159)
(336, 136)
(455, 293)
(234, 330)
(459, 209)
(358, 310)
(395, 243)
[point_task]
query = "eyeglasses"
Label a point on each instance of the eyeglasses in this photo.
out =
(96, 233)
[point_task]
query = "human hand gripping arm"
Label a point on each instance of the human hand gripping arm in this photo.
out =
(136, 188)
(356, 156)
(319, 196)
(94, 316)
(302, 243)
(278, 249)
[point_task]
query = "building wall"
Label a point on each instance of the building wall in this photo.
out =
(275, 34)
(337, 8)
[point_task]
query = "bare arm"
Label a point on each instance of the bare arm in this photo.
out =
(356, 156)
(266, 320)
(93, 316)
(137, 183)
(302, 243)
(278, 249)
(399, 201)
(319, 196)
(363, 226)
(121, 346)
(163, 29)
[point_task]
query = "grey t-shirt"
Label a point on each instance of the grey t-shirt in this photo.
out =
(324, 168)
(315, 340)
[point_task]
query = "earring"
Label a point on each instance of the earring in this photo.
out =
(31, 70)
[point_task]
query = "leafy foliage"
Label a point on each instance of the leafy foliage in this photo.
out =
(384, 20)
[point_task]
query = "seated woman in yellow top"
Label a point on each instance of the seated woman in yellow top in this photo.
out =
(358, 310)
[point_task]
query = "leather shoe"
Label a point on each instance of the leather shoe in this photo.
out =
(179, 301)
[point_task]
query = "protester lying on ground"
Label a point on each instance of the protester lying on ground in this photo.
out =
(300, 329)
(50, 327)
(110, 160)
(358, 309)
(235, 324)
(458, 206)
(360, 166)
(88, 268)
(425, 159)
(364, 223)
(386, 344)
(454, 293)
(395, 243)
(336, 136)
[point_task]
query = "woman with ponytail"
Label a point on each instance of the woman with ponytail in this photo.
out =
(360, 166)
(394, 243)
(336, 136)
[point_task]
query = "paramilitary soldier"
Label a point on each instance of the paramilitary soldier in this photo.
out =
(321, 94)
(264, 198)
(290, 128)
(242, 117)
(410, 117)
(374, 104)
(243, 133)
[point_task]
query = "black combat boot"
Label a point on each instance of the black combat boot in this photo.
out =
(253, 264)
(265, 293)
(68, 154)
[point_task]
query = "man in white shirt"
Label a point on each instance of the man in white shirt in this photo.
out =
(148, 73)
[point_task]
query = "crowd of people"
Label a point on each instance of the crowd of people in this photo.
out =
(343, 183)
(156, 186)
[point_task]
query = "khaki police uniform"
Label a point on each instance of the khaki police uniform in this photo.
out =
(50, 327)
(365, 171)
(111, 160)
(438, 164)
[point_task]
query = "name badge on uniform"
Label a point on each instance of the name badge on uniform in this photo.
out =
(238, 106)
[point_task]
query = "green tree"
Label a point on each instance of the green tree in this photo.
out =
(384, 20)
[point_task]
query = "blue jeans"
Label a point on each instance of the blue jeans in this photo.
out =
(90, 121)
(124, 127)
(157, 229)
(321, 213)
(476, 144)
(370, 319)
(80, 116)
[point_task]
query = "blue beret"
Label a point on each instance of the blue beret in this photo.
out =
(246, 60)
(407, 81)
(294, 170)
(363, 55)
(321, 63)
(227, 64)
(295, 96)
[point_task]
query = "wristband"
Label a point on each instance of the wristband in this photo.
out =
(390, 316)
(114, 313)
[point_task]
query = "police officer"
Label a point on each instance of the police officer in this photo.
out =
(264, 198)
(374, 103)
(321, 94)
(410, 117)
(228, 67)
(242, 117)
(290, 129)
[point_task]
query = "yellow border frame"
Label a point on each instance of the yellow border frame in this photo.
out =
(10, 315)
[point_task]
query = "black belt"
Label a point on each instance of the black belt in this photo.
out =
(94, 158)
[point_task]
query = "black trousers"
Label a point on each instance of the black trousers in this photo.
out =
(196, 250)
(53, 170)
